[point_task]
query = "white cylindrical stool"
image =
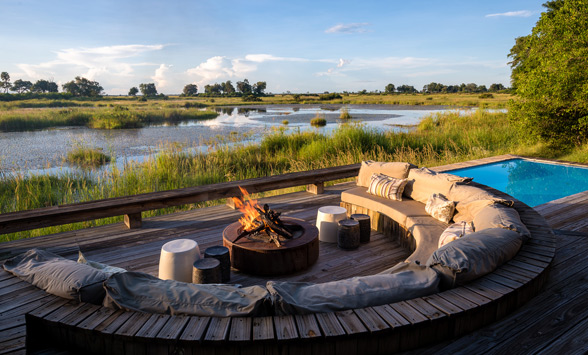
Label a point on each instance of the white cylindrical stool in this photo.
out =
(177, 259)
(327, 221)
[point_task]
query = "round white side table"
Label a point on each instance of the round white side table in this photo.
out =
(177, 260)
(327, 221)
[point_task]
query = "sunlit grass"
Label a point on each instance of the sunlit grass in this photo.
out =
(440, 139)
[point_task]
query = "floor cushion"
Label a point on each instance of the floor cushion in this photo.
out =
(59, 276)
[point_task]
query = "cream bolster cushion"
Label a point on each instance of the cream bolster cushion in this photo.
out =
(454, 232)
(440, 207)
(59, 276)
(499, 216)
(476, 255)
(397, 170)
(387, 187)
(424, 182)
(137, 291)
(408, 281)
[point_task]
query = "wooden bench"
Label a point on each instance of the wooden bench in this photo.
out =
(131, 206)
(382, 329)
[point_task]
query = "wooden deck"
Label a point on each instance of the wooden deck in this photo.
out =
(556, 319)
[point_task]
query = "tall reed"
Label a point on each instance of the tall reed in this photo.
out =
(439, 139)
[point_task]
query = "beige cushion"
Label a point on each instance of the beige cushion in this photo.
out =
(424, 182)
(476, 255)
(397, 210)
(387, 187)
(406, 281)
(440, 208)
(137, 291)
(425, 231)
(393, 169)
(59, 276)
(470, 200)
(499, 216)
(454, 232)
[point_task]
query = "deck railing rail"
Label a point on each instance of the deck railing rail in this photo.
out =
(131, 206)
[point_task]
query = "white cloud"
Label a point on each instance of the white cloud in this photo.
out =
(260, 58)
(342, 62)
(111, 60)
(161, 76)
(522, 13)
(221, 67)
(358, 27)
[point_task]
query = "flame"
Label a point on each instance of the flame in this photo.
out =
(248, 207)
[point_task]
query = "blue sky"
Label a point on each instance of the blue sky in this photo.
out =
(297, 46)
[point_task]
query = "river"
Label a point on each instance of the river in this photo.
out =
(44, 151)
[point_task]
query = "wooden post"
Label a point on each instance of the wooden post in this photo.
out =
(133, 220)
(230, 203)
(316, 189)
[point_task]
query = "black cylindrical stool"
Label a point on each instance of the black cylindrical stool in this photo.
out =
(365, 226)
(221, 254)
(206, 271)
(348, 234)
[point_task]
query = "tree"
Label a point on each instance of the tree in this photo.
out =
(496, 87)
(244, 87)
(259, 87)
(5, 84)
(52, 87)
(228, 88)
(133, 91)
(83, 87)
(406, 89)
(21, 86)
(549, 75)
(389, 89)
(190, 90)
(148, 89)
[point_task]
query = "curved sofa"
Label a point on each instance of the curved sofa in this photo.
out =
(443, 302)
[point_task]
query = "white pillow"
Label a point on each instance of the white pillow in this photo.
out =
(454, 232)
(440, 207)
(386, 186)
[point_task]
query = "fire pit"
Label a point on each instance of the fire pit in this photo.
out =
(263, 243)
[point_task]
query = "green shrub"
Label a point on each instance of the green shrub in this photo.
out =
(318, 122)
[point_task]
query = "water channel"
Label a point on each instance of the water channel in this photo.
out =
(43, 151)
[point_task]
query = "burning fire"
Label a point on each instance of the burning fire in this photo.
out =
(249, 208)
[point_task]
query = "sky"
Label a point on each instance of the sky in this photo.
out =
(298, 46)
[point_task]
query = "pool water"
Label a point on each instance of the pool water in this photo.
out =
(531, 182)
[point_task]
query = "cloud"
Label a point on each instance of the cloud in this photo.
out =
(358, 27)
(522, 13)
(161, 76)
(260, 58)
(221, 67)
(112, 60)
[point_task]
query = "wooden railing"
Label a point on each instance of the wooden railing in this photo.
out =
(132, 206)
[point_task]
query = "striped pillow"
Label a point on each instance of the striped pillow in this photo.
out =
(454, 232)
(386, 186)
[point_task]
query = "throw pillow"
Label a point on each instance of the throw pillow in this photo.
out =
(386, 186)
(454, 232)
(440, 207)
(397, 170)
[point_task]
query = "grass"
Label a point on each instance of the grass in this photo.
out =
(439, 139)
(103, 117)
(38, 113)
(87, 157)
(318, 120)
(345, 114)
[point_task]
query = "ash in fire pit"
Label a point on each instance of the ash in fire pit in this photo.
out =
(263, 224)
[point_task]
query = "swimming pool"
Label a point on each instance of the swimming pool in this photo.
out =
(529, 181)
